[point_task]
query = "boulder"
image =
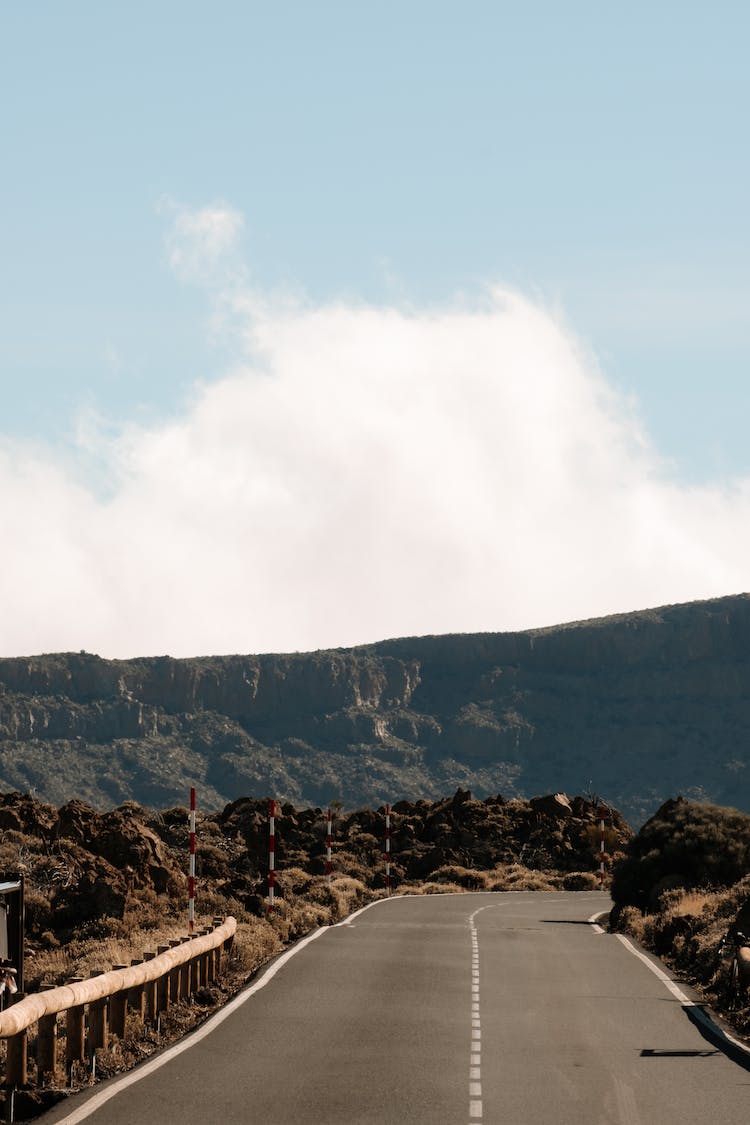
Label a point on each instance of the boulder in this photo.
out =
(556, 804)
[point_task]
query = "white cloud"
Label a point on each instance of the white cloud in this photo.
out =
(202, 244)
(369, 472)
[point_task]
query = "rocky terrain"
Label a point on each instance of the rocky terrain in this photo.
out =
(635, 708)
(86, 871)
(103, 888)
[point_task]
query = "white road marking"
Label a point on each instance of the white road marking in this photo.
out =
(100, 1099)
(696, 1011)
(667, 981)
(475, 1058)
(592, 921)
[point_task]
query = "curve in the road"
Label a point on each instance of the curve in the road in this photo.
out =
(372, 1026)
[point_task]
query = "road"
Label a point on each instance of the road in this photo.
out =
(447, 1010)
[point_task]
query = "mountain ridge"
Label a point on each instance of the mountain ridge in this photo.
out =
(635, 706)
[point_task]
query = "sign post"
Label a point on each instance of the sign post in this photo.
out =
(388, 849)
(271, 853)
(602, 846)
(191, 873)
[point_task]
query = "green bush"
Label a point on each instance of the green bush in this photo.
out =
(685, 844)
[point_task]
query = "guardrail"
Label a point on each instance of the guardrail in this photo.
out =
(97, 1007)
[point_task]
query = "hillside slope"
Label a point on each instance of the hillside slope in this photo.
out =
(636, 708)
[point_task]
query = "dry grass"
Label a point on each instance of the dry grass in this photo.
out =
(690, 903)
(254, 944)
(686, 931)
(93, 955)
(516, 877)
(465, 877)
(507, 877)
(430, 889)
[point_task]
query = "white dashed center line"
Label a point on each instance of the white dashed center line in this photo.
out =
(475, 1056)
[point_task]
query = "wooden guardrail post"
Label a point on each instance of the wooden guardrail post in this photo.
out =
(149, 992)
(75, 1029)
(98, 1029)
(194, 971)
(175, 976)
(202, 964)
(118, 1010)
(217, 952)
(137, 994)
(97, 1022)
(46, 1046)
(17, 1063)
(162, 986)
(185, 979)
(46, 1050)
(17, 1066)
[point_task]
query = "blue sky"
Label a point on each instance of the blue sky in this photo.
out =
(588, 158)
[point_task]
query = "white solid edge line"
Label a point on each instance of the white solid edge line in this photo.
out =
(99, 1099)
(592, 921)
(395, 898)
(677, 992)
(103, 1096)
(670, 984)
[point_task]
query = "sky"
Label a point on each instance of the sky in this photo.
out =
(322, 324)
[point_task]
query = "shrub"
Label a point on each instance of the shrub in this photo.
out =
(465, 877)
(685, 844)
(516, 877)
(580, 881)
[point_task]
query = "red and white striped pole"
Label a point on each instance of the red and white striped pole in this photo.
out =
(271, 853)
(191, 873)
(602, 848)
(328, 847)
(388, 849)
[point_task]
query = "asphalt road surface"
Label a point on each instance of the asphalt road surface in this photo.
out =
(447, 1010)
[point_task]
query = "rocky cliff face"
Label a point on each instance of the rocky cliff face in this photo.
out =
(636, 707)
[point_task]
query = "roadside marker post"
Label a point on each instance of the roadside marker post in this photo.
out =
(388, 849)
(328, 846)
(191, 871)
(602, 847)
(271, 853)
